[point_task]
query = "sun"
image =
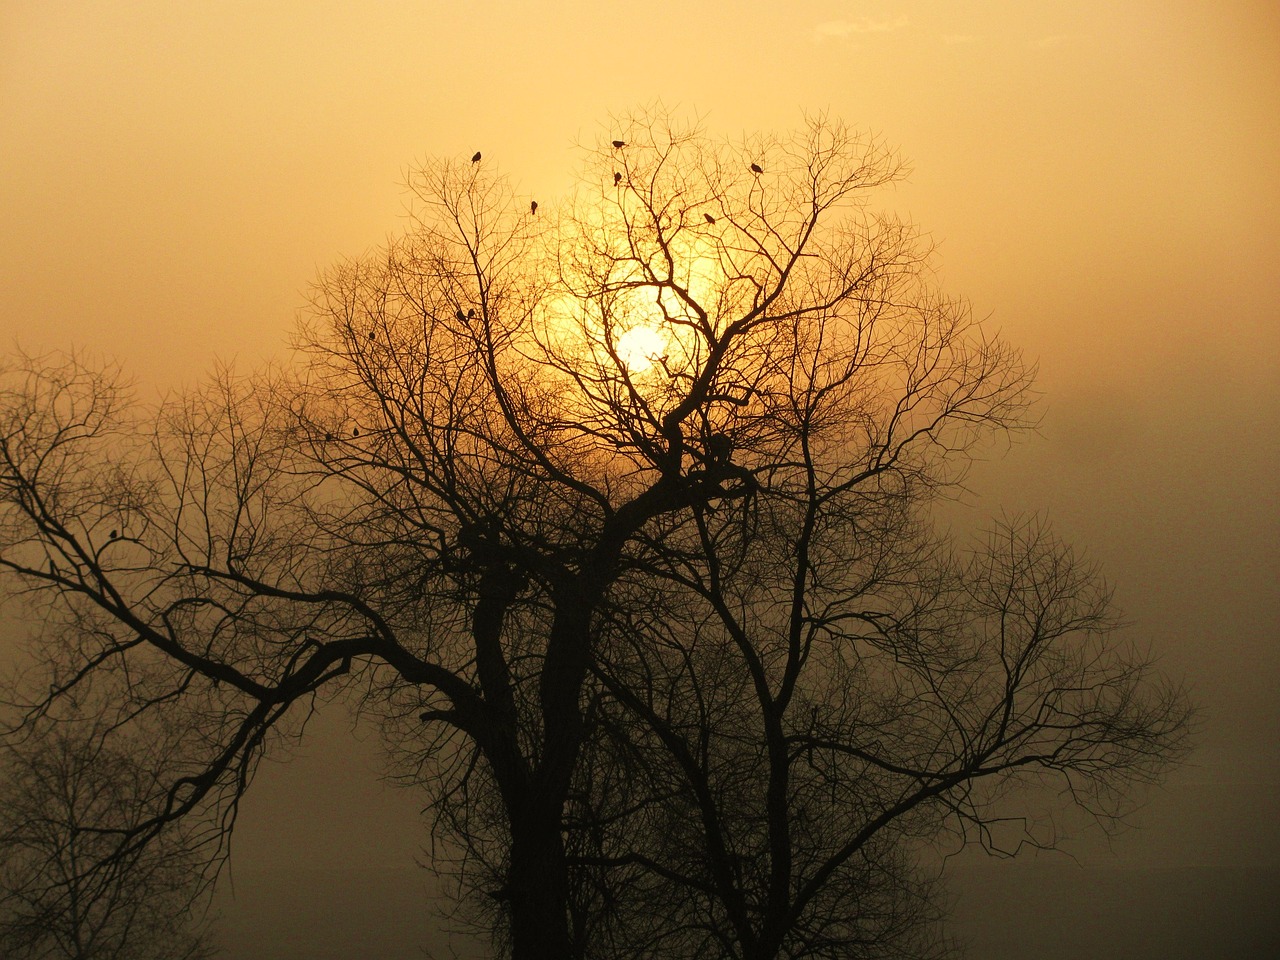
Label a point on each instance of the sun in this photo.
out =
(641, 347)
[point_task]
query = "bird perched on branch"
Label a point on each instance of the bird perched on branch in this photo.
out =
(719, 448)
(619, 144)
(533, 206)
(475, 157)
(710, 218)
(756, 168)
(617, 178)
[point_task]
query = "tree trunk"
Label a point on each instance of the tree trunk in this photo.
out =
(537, 882)
(537, 885)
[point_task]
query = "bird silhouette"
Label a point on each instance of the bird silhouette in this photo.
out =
(113, 534)
(373, 335)
(617, 178)
(719, 447)
(756, 168)
(710, 218)
(619, 144)
(475, 157)
(462, 317)
(471, 314)
(328, 436)
(533, 206)
(355, 431)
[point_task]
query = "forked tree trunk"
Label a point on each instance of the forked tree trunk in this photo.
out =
(537, 883)
(536, 888)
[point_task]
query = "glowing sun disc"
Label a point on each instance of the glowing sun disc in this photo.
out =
(640, 347)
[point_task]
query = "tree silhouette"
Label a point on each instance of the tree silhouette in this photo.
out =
(817, 713)
(75, 882)
(618, 518)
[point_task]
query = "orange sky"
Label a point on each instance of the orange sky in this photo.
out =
(1101, 176)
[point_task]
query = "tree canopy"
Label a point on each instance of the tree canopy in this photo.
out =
(616, 512)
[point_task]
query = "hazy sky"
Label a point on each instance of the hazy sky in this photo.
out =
(1101, 178)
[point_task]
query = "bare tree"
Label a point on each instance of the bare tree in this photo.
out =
(616, 518)
(73, 883)
(801, 747)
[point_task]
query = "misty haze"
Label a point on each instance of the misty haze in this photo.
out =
(771, 482)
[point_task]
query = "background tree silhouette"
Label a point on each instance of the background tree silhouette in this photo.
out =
(617, 518)
(76, 881)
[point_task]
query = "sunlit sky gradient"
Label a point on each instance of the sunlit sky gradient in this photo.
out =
(1101, 178)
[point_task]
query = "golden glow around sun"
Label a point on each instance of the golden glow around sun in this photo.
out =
(641, 347)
